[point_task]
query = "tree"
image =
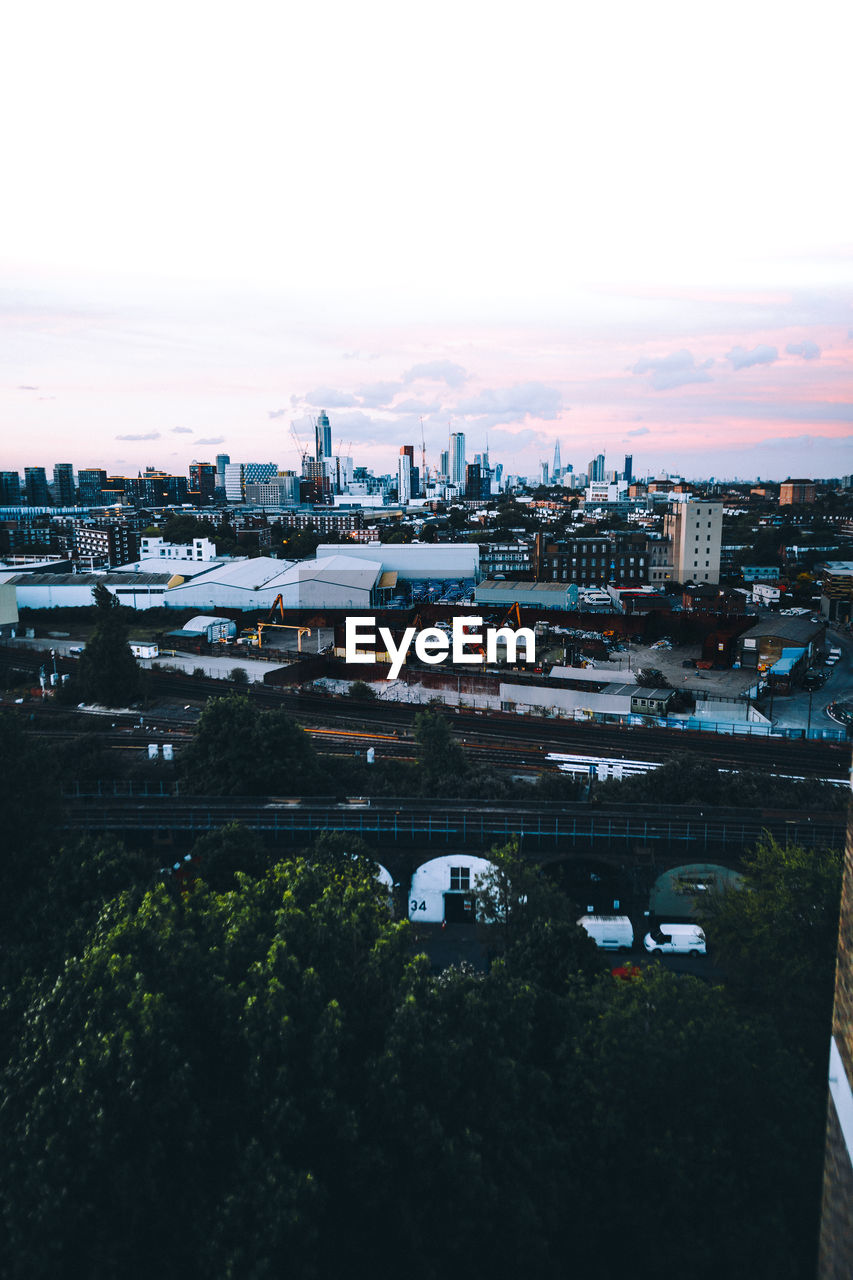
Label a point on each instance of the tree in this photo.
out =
(30, 803)
(196, 1073)
(240, 751)
(107, 671)
(440, 756)
(652, 678)
(510, 894)
(214, 1082)
(777, 935)
(182, 529)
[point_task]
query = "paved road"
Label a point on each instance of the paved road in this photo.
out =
(793, 712)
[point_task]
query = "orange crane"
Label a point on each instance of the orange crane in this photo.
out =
(258, 629)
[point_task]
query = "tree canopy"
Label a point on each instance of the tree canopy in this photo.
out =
(777, 936)
(240, 751)
(263, 1080)
(107, 671)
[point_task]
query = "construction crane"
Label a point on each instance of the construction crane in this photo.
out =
(424, 469)
(258, 630)
(301, 451)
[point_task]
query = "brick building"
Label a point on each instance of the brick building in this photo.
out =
(621, 559)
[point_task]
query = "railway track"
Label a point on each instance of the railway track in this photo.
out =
(506, 734)
(407, 822)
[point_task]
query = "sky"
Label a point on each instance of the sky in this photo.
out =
(629, 228)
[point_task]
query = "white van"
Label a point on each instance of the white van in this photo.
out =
(678, 939)
(611, 933)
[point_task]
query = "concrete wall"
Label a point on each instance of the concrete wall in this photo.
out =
(8, 609)
(564, 701)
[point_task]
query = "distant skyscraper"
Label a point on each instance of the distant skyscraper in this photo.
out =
(35, 480)
(203, 481)
(323, 436)
(595, 468)
(235, 483)
(557, 469)
(64, 493)
(444, 463)
(628, 472)
(544, 472)
(222, 460)
(10, 488)
(457, 458)
(90, 482)
(404, 474)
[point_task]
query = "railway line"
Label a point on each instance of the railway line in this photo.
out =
(513, 740)
(461, 823)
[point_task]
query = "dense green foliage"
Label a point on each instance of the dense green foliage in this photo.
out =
(107, 671)
(777, 936)
(688, 779)
(262, 1080)
(240, 751)
(360, 689)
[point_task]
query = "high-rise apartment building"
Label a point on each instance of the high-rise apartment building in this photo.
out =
(628, 469)
(444, 462)
(477, 483)
(202, 482)
(90, 482)
(690, 549)
(457, 458)
(35, 483)
(316, 484)
(64, 492)
(10, 489)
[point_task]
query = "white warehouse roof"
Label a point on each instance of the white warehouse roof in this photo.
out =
(413, 559)
(327, 582)
(202, 621)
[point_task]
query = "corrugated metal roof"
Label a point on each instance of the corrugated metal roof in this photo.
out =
(784, 629)
(202, 621)
(89, 579)
(260, 574)
(154, 564)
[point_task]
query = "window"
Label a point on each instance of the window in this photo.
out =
(460, 878)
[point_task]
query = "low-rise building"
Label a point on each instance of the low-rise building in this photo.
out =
(762, 645)
(836, 601)
(796, 492)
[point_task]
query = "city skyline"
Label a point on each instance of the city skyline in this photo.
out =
(578, 237)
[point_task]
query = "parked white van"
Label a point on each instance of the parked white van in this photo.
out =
(680, 939)
(611, 933)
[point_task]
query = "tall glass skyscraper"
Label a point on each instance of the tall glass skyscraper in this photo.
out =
(323, 436)
(457, 458)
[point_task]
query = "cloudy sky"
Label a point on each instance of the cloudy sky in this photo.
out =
(621, 227)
